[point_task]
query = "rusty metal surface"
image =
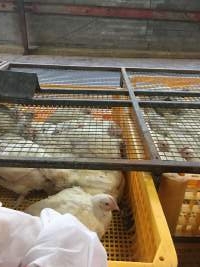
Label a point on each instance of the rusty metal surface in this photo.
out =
(103, 11)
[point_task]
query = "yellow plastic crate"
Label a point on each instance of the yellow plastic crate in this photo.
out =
(180, 200)
(146, 241)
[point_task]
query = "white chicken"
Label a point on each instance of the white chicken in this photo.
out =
(96, 139)
(61, 115)
(91, 125)
(52, 138)
(93, 211)
(166, 147)
(95, 181)
(82, 136)
(14, 145)
(24, 180)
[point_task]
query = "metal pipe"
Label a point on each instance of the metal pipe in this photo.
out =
(86, 91)
(169, 104)
(156, 92)
(104, 164)
(22, 25)
(145, 134)
(101, 103)
(135, 70)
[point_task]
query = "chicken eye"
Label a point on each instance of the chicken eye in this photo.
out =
(106, 203)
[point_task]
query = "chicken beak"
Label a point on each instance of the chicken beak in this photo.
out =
(116, 207)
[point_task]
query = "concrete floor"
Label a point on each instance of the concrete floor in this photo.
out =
(121, 62)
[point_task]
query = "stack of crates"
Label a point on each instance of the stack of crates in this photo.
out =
(146, 240)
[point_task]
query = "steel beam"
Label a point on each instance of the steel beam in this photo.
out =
(22, 25)
(101, 103)
(169, 104)
(134, 70)
(86, 91)
(145, 134)
(104, 164)
(158, 92)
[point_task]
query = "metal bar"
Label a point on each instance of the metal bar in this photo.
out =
(169, 104)
(105, 164)
(22, 25)
(63, 67)
(145, 134)
(103, 68)
(113, 12)
(68, 102)
(86, 91)
(4, 65)
(156, 92)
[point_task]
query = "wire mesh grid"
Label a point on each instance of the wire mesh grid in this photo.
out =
(170, 98)
(166, 82)
(81, 96)
(175, 132)
(69, 132)
(80, 77)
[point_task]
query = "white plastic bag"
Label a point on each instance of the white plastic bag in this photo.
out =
(53, 240)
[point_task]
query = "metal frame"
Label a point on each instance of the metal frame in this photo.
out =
(22, 25)
(144, 132)
(153, 164)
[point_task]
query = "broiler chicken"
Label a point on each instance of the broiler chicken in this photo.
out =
(62, 115)
(52, 138)
(166, 147)
(24, 180)
(96, 139)
(93, 211)
(84, 138)
(95, 181)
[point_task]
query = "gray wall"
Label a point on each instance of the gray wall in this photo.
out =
(91, 32)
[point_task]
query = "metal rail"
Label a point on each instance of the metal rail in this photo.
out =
(104, 164)
(169, 104)
(145, 134)
(179, 93)
(68, 102)
(104, 68)
(86, 91)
